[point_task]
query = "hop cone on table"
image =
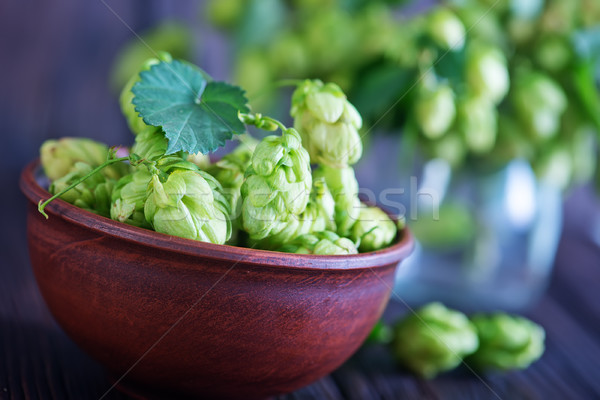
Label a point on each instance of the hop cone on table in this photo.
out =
(373, 229)
(433, 340)
(322, 243)
(277, 185)
(129, 196)
(188, 204)
(506, 342)
(328, 124)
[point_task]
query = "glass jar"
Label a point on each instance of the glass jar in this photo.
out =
(486, 241)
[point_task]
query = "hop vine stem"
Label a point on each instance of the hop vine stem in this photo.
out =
(42, 205)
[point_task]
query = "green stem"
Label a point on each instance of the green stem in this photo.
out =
(43, 205)
(276, 122)
(262, 122)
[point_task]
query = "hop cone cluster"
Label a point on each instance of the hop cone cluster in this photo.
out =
(434, 339)
(328, 124)
(277, 185)
(437, 339)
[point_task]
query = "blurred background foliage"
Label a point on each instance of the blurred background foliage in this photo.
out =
(475, 82)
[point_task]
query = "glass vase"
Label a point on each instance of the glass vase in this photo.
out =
(486, 240)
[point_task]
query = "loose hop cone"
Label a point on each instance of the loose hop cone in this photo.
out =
(506, 342)
(433, 340)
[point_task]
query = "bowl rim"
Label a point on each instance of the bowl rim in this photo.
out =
(393, 254)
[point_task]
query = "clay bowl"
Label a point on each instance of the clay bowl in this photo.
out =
(184, 318)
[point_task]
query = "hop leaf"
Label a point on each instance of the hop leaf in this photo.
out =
(196, 115)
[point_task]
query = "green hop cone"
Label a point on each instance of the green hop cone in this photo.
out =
(318, 216)
(344, 189)
(93, 194)
(150, 143)
(134, 121)
(487, 72)
(328, 124)
(373, 229)
(435, 111)
(129, 196)
(277, 185)
(321, 243)
(230, 170)
(433, 340)
(446, 29)
(478, 123)
(187, 204)
(202, 161)
(225, 14)
(555, 166)
(58, 157)
(540, 103)
(506, 342)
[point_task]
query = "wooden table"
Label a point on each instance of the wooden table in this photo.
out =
(38, 361)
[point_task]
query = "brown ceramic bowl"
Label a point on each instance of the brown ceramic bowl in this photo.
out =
(186, 318)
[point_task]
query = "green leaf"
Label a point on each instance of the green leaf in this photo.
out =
(196, 115)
